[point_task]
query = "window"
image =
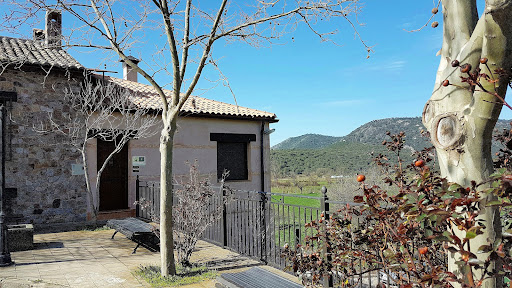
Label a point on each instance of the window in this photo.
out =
(232, 154)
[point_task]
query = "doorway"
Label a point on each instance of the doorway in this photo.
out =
(114, 179)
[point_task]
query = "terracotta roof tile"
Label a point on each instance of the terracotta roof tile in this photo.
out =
(148, 98)
(21, 51)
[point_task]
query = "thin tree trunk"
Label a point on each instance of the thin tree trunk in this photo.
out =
(88, 185)
(166, 195)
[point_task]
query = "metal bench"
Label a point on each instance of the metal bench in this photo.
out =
(136, 230)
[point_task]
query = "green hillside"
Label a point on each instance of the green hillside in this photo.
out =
(374, 132)
(307, 141)
(340, 158)
(328, 155)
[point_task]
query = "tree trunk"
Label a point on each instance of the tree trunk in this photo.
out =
(461, 119)
(166, 201)
(90, 195)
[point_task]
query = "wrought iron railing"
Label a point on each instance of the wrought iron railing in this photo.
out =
(259, 224)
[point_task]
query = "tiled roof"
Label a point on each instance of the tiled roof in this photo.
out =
(21, 51)
(148, 98)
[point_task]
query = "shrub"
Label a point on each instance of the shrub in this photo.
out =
(409, 229)
(191, 212)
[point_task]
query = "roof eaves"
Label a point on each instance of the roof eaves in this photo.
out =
(229, 116)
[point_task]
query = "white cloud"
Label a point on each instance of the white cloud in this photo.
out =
(391, 66)
(387, 66)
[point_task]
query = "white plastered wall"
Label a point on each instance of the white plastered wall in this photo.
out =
(192, 141)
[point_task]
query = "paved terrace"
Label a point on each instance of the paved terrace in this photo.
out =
(92, 259)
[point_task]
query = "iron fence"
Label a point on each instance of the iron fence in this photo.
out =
(259, 224)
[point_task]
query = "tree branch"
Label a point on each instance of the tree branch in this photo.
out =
(186, 34)
(169, 30)
(115, 47)
(460, 19)
(206, 53)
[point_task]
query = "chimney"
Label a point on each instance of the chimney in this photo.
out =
(128, 72)
(53, 29)
(38, 34)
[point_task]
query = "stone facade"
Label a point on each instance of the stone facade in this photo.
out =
(40, 187)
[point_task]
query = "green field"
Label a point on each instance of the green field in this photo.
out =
(291, 213)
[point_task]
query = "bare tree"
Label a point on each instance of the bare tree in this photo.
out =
(100, 110)
(463, 110)
(198, 206)
(188, 32)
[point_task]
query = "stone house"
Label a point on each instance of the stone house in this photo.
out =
(40, 185)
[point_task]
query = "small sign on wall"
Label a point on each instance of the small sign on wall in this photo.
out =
(77, 169)
(138, 160)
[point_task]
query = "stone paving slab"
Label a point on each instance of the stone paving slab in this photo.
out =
(92, 259)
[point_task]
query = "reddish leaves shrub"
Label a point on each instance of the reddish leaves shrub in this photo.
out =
(410, 227)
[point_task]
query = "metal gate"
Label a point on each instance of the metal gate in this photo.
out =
(259, 224)
(255, 224)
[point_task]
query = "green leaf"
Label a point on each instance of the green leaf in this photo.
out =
(470, 235)
(454, 187)
(388, 253)
(421, 217)
(498, 173)
(485, 248)
(494, 203)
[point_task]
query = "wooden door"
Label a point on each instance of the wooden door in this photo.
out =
(114, 179)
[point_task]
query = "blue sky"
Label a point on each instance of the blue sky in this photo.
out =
(319, 87)
(316, 87)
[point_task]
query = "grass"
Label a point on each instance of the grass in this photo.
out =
(310, 185)
(91, 228)
(289, 199)
(295, 190)
(289, 218)
(184, 276)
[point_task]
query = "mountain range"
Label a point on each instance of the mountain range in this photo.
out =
(321, 154)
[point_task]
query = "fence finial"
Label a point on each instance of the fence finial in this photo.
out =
(324, 190)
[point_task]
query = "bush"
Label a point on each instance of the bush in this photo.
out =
(191, 215)
(410, 228)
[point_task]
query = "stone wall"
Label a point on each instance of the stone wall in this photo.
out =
(40, 186)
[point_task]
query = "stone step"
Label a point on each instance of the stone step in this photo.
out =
(255, 277)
